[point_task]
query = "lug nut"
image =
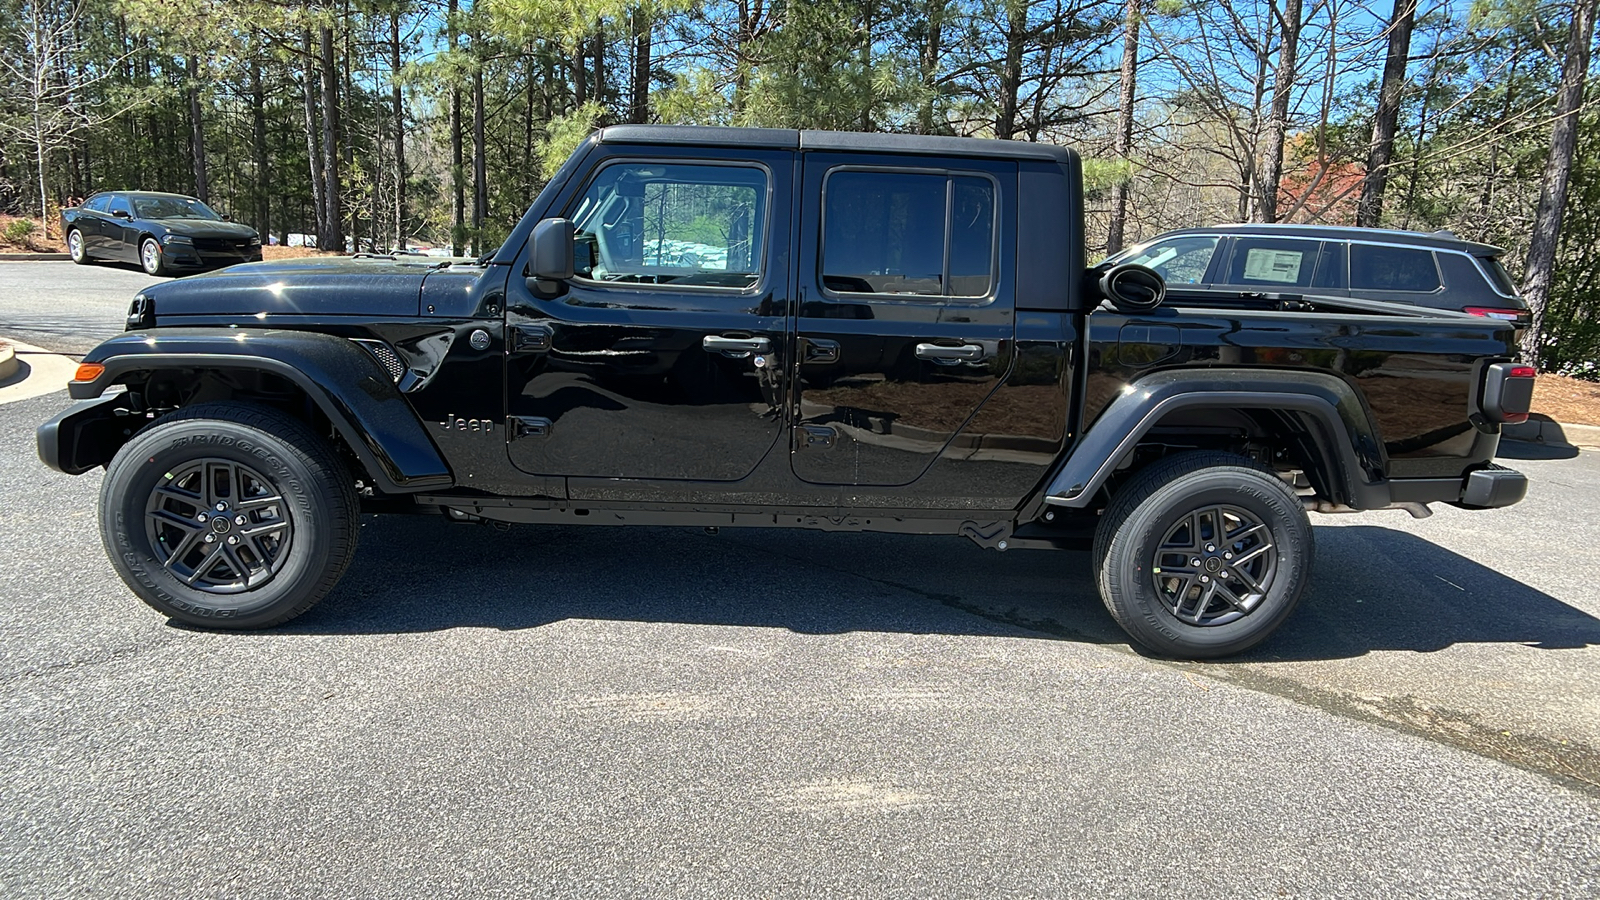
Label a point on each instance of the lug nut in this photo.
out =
(1204, 580)
(1227, 556)
(201, 518)
(1210, 548)
(1195, 561)
(211, 539)
(233, 539)
(221, 507)
(1223, 573)
(238, 520)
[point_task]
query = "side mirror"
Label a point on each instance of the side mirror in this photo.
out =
(227, 217)
(1132, 288)
(121, 214)
(550, 250)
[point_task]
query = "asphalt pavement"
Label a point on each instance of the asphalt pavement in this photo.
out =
(580, 712)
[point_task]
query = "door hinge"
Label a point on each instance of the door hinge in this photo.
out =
(532, 338)
(529, 426)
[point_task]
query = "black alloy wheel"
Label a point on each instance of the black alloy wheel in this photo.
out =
(1215, 565)
(218, 525)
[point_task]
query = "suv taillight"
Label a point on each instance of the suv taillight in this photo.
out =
(1519, 316)
(1508, 393)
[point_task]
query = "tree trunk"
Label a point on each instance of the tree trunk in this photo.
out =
(1370, 210)
(458, 209)
(197, 132)
(334, 239)
(1278, 121)
(480, 176)
(399, 134)
(313, 151)
(639, 112)
(1005, 123)
(599, 62)
(580, 80)
(261, 205)
(1124, 139)
(1540, 270)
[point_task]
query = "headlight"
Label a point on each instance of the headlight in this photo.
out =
(177, 239)
(255, 241)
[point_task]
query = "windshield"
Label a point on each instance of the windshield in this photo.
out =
(172, 208)
(1181, 260)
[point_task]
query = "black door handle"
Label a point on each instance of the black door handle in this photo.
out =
(945, 353)
(736, 346)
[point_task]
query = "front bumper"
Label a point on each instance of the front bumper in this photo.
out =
(187, 256)
(86, 434)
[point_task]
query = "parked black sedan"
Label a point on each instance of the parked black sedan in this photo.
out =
(160, 232)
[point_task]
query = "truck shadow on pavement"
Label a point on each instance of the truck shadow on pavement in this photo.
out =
(1373, 589)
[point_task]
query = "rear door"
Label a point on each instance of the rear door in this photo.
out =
(661, 359)
(906, 316)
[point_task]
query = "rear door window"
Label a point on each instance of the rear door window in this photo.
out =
(1273, 263)
(1379, 268)
(908, 233)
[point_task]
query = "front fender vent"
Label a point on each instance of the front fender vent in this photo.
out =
(385, 356)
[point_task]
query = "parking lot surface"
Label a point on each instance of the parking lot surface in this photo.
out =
(652, 712)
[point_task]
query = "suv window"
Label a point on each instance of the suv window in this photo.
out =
(1182, 260)
(1332, 273)
(1498, 275)
(1378, 268)
(684, 224)
(905, 233)
(1273, 263)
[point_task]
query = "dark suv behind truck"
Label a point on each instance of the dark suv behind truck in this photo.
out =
(1435, 270)
(768, 328)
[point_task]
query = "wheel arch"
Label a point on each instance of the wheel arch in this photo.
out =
(339, 380)
(1317, 418)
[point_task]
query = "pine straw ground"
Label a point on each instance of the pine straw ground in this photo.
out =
(1567, 399)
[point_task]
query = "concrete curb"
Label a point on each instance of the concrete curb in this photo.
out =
(34, 257)
(8, 360)
(1540, 430)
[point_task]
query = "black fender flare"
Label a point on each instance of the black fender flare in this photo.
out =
(1344, 441)
(343, 380)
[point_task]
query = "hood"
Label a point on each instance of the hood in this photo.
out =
(206, 228)
(314, 286)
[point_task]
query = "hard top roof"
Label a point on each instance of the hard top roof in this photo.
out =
(856, 142)
(1437, 240)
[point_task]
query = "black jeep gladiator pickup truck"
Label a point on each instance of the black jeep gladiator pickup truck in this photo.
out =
(771, 328)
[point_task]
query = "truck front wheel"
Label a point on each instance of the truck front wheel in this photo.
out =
(1203, 554)
(228, 515)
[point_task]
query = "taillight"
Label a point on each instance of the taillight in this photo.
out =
(1504, 315)
(1508, 393)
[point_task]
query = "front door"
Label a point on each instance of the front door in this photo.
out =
(906, 315)
(663, 357)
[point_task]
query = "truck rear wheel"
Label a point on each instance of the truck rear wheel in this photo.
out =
(229, 515)
(1203, 554)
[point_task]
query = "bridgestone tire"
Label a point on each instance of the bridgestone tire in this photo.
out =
(1144, 513)
(317, 494)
